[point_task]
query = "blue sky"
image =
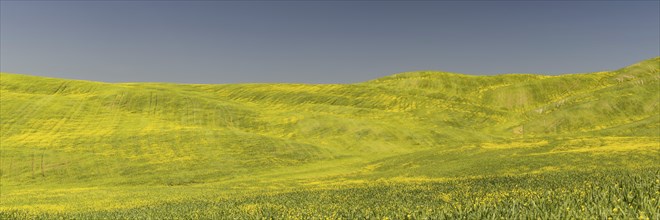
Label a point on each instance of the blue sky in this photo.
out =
(320, 41)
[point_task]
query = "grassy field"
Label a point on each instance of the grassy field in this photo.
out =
(412, 145)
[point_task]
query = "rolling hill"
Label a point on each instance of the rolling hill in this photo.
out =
(71, 146)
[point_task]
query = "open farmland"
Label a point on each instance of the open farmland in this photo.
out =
(411, 145)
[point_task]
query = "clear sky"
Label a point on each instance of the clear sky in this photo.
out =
(320, 41)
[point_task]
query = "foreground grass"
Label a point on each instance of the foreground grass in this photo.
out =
(613, 193)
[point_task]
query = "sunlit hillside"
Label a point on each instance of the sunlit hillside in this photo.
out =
(80, 148)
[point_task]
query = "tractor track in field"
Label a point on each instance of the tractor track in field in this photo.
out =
(25, 113)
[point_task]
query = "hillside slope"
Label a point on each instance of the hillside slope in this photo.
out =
(63, 133)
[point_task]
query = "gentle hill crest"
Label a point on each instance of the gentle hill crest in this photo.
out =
(430, 142)
(164, 133)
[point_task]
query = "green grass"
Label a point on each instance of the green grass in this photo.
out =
(612, 194)
(382, 148)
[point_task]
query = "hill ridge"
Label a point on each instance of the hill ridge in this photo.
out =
(648, 62)
(72, 133)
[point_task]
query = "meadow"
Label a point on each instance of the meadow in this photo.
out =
(413, 145)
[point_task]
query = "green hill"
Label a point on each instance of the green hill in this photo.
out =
(82, 148)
